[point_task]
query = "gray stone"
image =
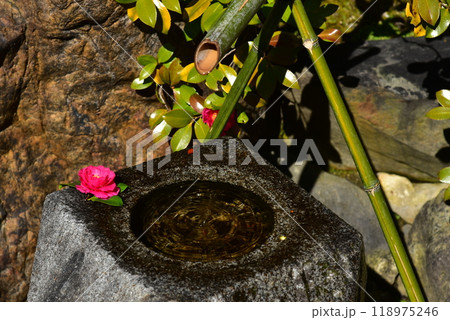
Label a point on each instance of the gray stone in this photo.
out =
(405, 198)
(352, 204)
(88, 252)
(388, 91)
(429, 246)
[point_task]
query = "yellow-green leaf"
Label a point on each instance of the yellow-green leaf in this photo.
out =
(215, 100)
(145, 59)
(146, 11)
(161, 131)
(442, 26)
(201, 129)
(156, 118)
(147, 71)
(429, 10)
(290, 80)
(165, 16)
(439, 113)
(211, 15)
(178, 118)
(141, 84)
(181, 138)
(444, 175)
(165, 52)
(229, 72)
(443, 96)
(174, 70)
(132, 14)
(191, 75)
(172, 5)
(242, 118)
(196, 8)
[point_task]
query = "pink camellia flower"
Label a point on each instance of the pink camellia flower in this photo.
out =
(209, 116)
(99, 181)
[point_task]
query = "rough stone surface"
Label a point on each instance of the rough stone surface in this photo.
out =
(388, 86)
(65, 103)
(405, 198)
(80, 242)
(428, 243)
(350, 203)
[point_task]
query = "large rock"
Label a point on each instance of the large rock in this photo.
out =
(406, 198)
(429, 246)
(65, 103)
(388, 86)
(166, 244)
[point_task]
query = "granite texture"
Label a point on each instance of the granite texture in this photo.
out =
(429, 245)
(87, 251)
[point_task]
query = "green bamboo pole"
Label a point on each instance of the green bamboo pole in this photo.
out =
(260, 44)
(225, 31)
(369, 179)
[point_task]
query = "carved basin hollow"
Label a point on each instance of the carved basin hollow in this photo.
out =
(190, 231)
(210, 221)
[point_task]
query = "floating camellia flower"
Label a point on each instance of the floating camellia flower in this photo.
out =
(99, 181)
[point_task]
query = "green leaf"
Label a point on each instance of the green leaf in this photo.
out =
(190, 74)
(172, 5)
(211, 15)
(215, 100)
(62, 185)
(147, 71)
(229, 72)
(145, 59)
(439, 113)
(242, 118)
(156, 117)
(165, 52)
(212, 78)
(125, 1)
(429, 10)
(122, 186)
(443, 96)
(161, 131)
(447, 194)
(196, 8)
(174, 72)
(181, 138)
(178, 118)
(140, 84)
(147, 12)
(184, 93)
(290, 80)
(114, 201)
(444, 175)
(201, 130)
(255, 20)
(442, 26)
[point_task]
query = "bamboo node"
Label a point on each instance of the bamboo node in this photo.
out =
(310, 43)
(374, 188)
